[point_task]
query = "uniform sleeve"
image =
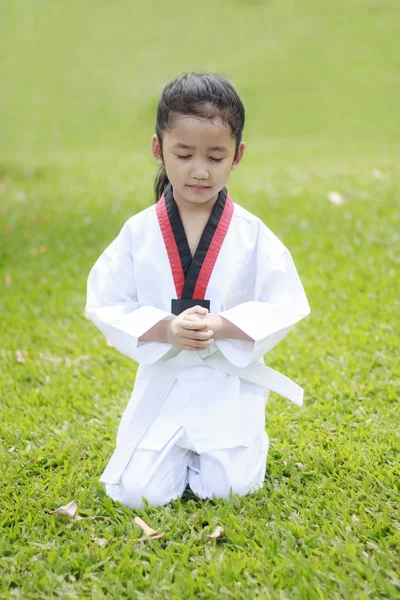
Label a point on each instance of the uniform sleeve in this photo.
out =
(279, 302)
(112, 303)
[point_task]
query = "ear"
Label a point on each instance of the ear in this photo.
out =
(239, 155)
(157, 150)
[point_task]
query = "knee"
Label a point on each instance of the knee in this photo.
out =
(221, 477)
(230, 484)
(132, 495)
(223, 484)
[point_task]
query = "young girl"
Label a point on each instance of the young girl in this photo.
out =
(196, 290)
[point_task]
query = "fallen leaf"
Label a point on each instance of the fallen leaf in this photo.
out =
(146, 528)
(109, 344)
(217, 533)
(14, 449)
(37, 557)
(69, 510)
(54, 359)
(299, 542)
(337, 198)
(378, 174)
(41, 250)
(79, 359)
(20, 358)
(8, 280)
(20, 197)
(100, 541)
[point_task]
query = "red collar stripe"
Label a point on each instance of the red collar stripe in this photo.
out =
(213, 250)
(171, 246)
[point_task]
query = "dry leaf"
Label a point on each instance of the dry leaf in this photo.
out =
(378, 174)
(20, 358)
(337, 198)
(79, 359)
(14, 449)
(54, 359)
(299, 543)
(217, 533)
(109, 344)
(20, 197)
(41, 250)
(8, 280)
(140, 523)
(100, 541)
(69, 510)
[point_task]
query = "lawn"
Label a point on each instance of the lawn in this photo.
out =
(321, 85)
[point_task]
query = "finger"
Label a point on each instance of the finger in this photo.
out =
(195, 317)
(197, 344)
(195, 325)
(198, 335)
(196, 309)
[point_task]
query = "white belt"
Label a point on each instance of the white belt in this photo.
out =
(160, 386)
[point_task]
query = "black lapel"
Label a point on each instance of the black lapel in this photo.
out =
(177, 228)
(192, 266)
(204, 244)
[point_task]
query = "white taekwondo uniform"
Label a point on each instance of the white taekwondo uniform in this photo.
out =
(195, 417)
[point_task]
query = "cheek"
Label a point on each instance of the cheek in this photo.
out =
(176, 166)
(225, 171)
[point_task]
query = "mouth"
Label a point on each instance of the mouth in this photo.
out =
(199, 188)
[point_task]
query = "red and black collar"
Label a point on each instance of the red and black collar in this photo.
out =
(192, 274)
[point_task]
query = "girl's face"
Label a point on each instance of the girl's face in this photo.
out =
(198, 156)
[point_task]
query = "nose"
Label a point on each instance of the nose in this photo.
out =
(199, 172)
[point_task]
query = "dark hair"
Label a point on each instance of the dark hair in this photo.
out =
(202, 95)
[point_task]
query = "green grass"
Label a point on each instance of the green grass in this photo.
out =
(321, 84)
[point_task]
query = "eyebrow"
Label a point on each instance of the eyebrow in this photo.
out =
(212, 149)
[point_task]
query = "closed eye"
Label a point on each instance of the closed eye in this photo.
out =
(189, 156)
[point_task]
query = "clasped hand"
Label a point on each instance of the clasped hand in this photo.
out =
(193, 329)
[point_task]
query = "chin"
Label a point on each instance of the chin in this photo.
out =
(195, 196)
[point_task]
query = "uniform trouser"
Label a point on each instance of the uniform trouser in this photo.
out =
(162, 475)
